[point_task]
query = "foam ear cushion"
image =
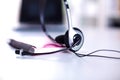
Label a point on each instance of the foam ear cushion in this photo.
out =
(60, 39)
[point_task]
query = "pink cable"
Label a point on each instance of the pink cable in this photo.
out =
(53, 45)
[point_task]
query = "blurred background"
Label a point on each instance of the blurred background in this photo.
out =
(98, 20)
(85, 13)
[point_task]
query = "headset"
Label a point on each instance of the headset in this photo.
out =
(73, 38)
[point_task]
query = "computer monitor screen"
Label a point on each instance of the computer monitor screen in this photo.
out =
(30, 11)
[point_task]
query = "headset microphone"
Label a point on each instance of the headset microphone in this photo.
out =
(27, 49)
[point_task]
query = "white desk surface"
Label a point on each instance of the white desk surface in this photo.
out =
(61, 66)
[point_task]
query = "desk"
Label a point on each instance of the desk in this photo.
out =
(63, 65)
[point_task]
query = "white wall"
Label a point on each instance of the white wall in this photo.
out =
(99, 9)
(9, 11)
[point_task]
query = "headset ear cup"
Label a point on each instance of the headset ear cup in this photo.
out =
(60, 39)
(77, 46)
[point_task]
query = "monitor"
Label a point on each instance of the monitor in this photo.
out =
(30, 11)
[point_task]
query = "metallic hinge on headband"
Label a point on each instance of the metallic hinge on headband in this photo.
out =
(67, 6)
(65, 0)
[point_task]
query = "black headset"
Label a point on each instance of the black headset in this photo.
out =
(73, 38)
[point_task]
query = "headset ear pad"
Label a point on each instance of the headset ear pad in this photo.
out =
(77, 37)
(60, 39)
